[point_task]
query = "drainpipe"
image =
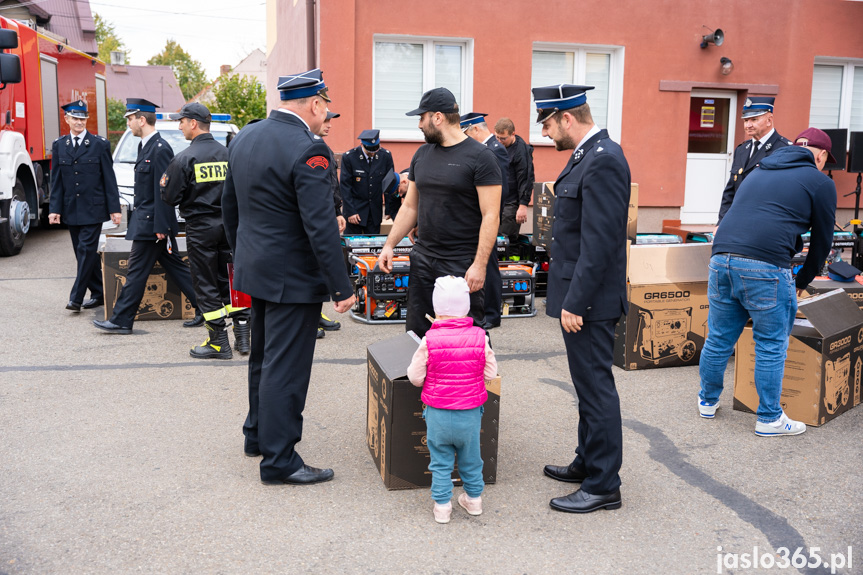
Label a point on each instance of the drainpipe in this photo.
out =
(312, 44)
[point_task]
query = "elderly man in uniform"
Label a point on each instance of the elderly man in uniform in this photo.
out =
(278, 209)
(454, 198)
(363, 171)
(587, 287)
(83, 195)
(193, 181)
(473, 124)
(763, 141)
(153, 225)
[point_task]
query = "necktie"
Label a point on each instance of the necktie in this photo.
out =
(76, 142)
(755, 147)
(140, 147)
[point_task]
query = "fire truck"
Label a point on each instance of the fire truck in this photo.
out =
(38, 74)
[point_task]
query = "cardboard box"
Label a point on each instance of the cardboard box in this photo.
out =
(162, 298)
(543, 211)
(396, 430)
(667, 321)
(824, 364)
(823, 285)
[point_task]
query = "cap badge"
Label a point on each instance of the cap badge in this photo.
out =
(748, 103)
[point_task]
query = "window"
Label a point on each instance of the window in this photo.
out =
(599, 66)
(837, 95)
(405, 67)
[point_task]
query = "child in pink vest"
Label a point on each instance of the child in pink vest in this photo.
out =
(451, 365)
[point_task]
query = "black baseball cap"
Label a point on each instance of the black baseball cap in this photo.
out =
(193, 111)
(436, 100)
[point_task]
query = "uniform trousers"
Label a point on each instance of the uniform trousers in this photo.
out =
(425, 270)
(209, 256)
(85, 242)
(600, 437)
(280, 366)
(493, 289)
(142, 257)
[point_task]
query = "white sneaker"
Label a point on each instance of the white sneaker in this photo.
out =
(707, 410)
(473, 505)
(442, 513)
(782, 426)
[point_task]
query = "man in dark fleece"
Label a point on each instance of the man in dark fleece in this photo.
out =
(750, 271)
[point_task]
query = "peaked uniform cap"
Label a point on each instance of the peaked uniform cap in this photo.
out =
(471, 119)
(303, 85)
(76, 109)
(135, 105)
(553, 99)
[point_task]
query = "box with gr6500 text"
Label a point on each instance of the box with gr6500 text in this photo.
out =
(824, 364)
(162, 297)
(396, 431)
(667, 321)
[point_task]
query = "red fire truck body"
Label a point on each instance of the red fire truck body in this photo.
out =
(51, 74)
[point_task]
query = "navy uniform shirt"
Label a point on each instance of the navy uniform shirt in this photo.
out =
(742, 165)
(151, 215)
(362, 184)
(587, 267)
(83, 185)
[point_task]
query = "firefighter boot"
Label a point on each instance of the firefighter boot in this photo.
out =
(242, 333)
(216, 346)
(328, 324)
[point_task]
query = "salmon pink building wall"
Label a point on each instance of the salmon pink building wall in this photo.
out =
(773, 48)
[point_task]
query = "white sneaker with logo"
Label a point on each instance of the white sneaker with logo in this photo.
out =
(707, 410)
(782, 426)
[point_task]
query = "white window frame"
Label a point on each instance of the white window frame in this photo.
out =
(429, 43)
(847, 90)
(615, 81)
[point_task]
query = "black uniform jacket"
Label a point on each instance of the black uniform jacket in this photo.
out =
(194, 178)
(151, 215)
(83, 185)
(362, 184)
(741, 166)
(587, 268)
(277, 205)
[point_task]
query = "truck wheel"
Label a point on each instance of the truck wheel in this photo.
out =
(15, 213)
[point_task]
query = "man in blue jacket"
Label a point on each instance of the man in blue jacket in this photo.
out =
(84, 194)
(750, 271)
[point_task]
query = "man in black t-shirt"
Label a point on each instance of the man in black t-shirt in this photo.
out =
(453, 196)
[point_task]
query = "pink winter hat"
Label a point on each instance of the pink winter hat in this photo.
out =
(451, 296)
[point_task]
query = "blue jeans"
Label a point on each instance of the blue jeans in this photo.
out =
(451, 431)
(738, 289)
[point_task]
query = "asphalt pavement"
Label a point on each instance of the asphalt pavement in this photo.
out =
(121, 454)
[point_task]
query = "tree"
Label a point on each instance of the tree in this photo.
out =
(116, 120)
(189, 72)
(107, 40)
(241, 96)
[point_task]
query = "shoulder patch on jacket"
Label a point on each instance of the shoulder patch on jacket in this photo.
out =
(318, 162)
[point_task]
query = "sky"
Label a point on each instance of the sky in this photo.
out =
(213, 32)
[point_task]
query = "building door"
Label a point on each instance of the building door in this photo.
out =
(709, 154)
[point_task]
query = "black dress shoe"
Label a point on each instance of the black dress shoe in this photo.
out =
(251, 451)
(196, 321)
(94, 302)
(305, 475)
(568, 473)
(72, 306)
(583, 502)
(111, 327)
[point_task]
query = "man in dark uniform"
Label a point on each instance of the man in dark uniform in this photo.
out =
(587, 287)
(453, 199)
(763, 141)
(153, 224)
(193, 181)
(363, 171)
(474, 126)
(278, 211)
(83, 194)
(520, 177)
